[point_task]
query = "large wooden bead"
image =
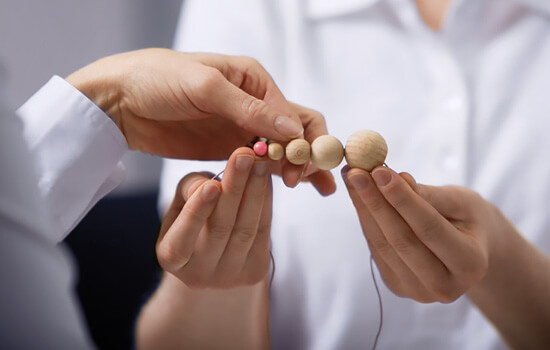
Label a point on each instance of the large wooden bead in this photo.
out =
(366, 149)
(327, 152)
(275, 151)
(298, 151)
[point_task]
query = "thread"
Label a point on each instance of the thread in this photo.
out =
(380, 306)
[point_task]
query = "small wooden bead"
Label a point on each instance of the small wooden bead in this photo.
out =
(298, 151)
(327, 152)
(366, 149)
(275, 151)
(260, 148)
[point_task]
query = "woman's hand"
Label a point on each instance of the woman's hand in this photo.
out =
(216, 234)
(193, 106)
(198, 106)
(430, 243)
(437, 243)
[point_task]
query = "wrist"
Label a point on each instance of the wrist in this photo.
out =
(101, 87)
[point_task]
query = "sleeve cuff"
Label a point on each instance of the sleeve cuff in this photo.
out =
(77, 149)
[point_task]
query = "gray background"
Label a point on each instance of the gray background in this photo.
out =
(39, 38)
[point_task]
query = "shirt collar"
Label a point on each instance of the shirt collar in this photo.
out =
(319, 9)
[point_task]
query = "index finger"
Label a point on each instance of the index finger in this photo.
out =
(244, 92)
(436, 232)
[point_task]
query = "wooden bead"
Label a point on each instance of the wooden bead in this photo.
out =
(298, 151)
(366, 149)
(275, 151)
(327, 152)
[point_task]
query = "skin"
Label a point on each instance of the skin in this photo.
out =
(434, 244)
(202, 106)
(214, 246)
(433, 12)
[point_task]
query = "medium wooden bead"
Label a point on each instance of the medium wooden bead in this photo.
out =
(275, 151)
(298, 151)
(366, 149)
(327, 152)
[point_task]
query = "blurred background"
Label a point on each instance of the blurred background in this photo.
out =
(114, 245)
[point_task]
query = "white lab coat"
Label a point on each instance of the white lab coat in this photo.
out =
(64, 143)
(468, 105)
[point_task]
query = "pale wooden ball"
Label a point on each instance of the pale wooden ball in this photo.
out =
(327, 152)
(366, 149)
(298, 151)
(275, 151)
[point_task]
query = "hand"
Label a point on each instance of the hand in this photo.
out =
(322, 180)
(430, 243)
(194, 106)
(216, 234)
(198, 106)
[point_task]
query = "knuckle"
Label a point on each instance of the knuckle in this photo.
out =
(264, 229)
(207, 82)
(170, 257)
(380, 245)
(220, 232)
(375, 204)
(245, 235)
(254, 108)
(234, 190)
(429, 230)
(402, 244)
(194, 216)
(445, 292)
(398, 199)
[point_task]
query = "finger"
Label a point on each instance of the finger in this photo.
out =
(450, 201)
(180, 197)
(314, 126)
(292, 174)
(428, 267)
(246, 225)
(314, 123)
(410, 180)
(323, 181)
(397, 275)
(438, 234)
(257, 263)
(212, 243)
(252, 100)
(175, 248)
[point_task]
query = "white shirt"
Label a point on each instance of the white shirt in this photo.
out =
(468, 105)
(67, 145)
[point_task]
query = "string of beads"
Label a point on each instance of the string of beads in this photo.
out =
(365, 149)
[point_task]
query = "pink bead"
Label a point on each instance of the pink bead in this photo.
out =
(260, 148)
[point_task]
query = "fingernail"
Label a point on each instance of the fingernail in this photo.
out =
(358, 181)
(381, 176)
(344, 171)
(243, 163)
(260, 168)
(288, 127)
(210, 192)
